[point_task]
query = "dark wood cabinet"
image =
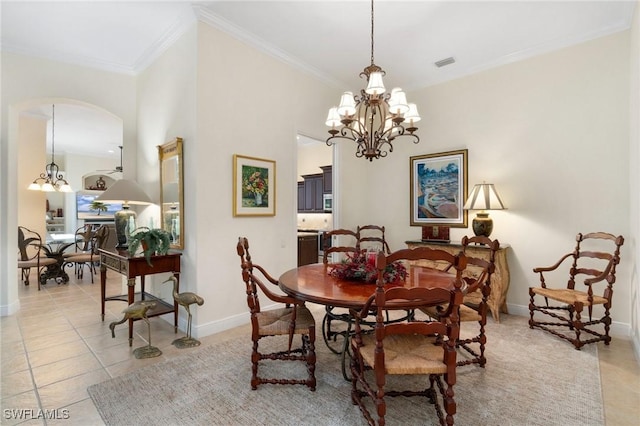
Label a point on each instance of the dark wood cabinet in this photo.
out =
(307, 249)
(327, 179)
(311, 190)
(301, 196)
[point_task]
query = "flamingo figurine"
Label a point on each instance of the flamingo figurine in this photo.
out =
(185, 299)
(138, 310)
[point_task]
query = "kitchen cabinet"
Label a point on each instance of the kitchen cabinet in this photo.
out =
(313, 193)
(307, 249)
(311, 190)
(327, 179)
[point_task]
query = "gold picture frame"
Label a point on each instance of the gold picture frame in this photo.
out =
(172, 191)
(254, 186)
(439, 189)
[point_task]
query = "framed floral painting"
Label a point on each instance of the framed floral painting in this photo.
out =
(439, 189)
(254, 186)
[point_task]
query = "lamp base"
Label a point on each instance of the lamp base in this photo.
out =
(482, 224)
(125, 221)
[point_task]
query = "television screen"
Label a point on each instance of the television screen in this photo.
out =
(86, 211)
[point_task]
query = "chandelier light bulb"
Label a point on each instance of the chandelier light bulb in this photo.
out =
(47, 187)
(375, 86)
(412, 115)
(34, 186)
(398, 102)
(347, 105)
(333, 118)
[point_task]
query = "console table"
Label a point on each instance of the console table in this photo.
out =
(137, 266)
(499, 279)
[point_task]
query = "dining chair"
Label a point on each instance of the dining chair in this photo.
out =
(408, 347)
(478, 279)
(82, 244)
(372, 237)
(88, 255)
(294, 318)
(30, 254)
(595, 257)
(347, 244)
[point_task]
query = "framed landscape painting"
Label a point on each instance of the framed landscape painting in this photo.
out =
(254, 186)
(439, 189)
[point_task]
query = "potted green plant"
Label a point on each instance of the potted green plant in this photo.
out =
(98, 206)
(152, 240)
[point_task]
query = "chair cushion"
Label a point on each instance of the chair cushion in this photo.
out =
(466, 313)
(79, 258)
(33, 263)
(276, 322)
(568, 296)
(406, 354)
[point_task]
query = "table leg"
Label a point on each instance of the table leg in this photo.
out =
(103, 285)
(131, 289)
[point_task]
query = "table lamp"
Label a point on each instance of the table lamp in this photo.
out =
(483, 197)
(126, 192)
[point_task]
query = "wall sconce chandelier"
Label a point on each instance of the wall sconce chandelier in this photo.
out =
(374, 119)
(52, 179)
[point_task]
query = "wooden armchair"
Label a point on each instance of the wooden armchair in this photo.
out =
(409, 347)
(30, 254)
(599, 267)
(471, 312)
(292, 319)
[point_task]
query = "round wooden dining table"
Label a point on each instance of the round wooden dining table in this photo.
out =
(313, 283)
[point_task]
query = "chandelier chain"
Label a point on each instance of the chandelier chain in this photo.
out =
(372, 21)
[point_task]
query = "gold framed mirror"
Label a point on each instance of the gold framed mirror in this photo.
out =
(172, 191)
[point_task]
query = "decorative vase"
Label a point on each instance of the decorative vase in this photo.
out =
(258, 199)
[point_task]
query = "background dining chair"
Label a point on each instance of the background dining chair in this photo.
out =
(83, 238)
(408, 347)
(347, 245)
(479, 281)
(372, 237)
(292, 319)
(598, 265)
(89, 257)
(31, 255)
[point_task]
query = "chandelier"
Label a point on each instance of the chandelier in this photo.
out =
(374, 119)
(52, 179)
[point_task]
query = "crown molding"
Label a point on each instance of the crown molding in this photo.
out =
(260, 44)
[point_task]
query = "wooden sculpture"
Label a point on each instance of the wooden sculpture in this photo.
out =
(138, 310)
(185, 299)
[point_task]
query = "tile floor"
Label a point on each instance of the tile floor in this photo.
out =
(57, 346)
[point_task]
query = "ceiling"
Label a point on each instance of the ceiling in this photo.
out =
(330, 39)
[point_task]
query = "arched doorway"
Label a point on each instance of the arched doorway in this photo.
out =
(24, 156)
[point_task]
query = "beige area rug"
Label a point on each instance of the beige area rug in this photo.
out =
(531, 378)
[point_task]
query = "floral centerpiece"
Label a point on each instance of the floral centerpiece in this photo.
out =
(255, 184)
(361, 266)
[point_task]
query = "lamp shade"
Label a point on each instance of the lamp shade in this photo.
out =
(484, 197)
(125, 191)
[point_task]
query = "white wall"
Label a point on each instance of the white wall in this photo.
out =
(551, 132)
(251, 104)
(27, 82)
(634, 161)
(166, 110)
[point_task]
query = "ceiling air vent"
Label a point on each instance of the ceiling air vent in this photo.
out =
(444, 62)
